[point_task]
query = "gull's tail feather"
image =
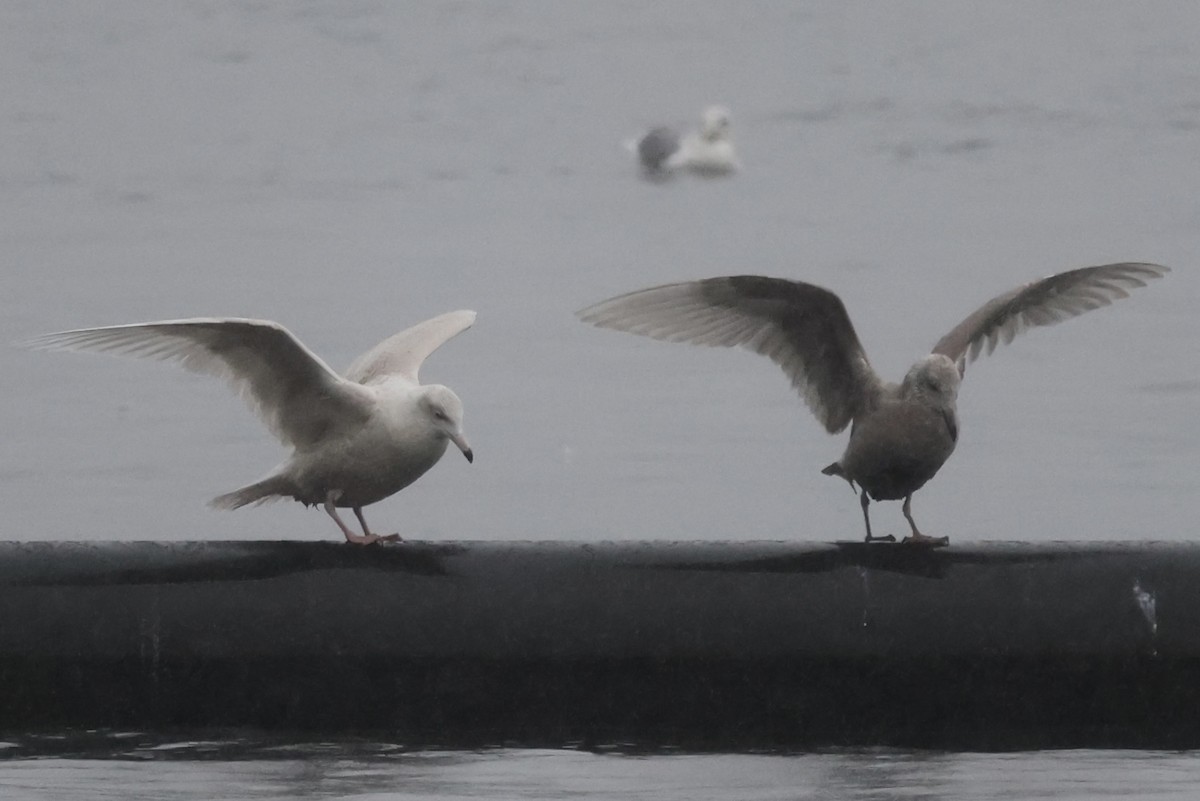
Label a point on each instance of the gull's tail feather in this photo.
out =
(836, 469)
(269, 489)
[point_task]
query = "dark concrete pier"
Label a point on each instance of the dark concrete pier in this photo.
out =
(696, 645)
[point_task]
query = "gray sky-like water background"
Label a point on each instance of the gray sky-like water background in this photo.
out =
(351, 168)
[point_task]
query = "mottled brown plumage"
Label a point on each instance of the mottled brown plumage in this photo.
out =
(901, 434)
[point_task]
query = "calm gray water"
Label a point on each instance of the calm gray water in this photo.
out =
(378, 774)
(178, 771)
(351, 167)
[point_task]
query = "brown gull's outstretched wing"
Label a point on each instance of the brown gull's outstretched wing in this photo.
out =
(802, 328)
(1046, 302)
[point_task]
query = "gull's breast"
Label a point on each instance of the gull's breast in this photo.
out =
(897, 448)
(383, 457)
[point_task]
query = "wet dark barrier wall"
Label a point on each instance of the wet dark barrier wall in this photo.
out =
(718, 645)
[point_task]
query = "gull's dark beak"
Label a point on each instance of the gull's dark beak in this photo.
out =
(463, 445)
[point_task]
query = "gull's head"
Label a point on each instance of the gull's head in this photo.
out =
(444, 411)
(935, 377)
(714, 123)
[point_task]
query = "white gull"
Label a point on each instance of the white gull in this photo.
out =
(356, 438)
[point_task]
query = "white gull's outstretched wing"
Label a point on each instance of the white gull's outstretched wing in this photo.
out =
(298, 397)
(402, 354)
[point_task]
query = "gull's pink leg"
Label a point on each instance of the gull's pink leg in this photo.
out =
(351, 537)
(917, 537)
(362, 521)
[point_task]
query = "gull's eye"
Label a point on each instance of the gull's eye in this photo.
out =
(439, 414)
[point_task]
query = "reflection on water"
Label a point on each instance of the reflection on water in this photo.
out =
(212, 770)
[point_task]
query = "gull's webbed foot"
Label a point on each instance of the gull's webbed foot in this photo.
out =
(362, 521)
(917, 538)
(371, 539)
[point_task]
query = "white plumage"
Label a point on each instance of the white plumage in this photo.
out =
(356, 438)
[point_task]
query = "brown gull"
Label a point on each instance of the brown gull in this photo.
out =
(900, 434)
(356, 438)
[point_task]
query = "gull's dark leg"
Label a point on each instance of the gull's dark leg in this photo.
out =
(867, 519)
(362, 521)
(917, 537)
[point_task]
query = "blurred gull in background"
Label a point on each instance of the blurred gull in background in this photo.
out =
(708, 151)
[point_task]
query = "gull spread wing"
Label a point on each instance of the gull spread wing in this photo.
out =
(402, 354)
(802, 328)
(295, 393)
(1046, 302)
